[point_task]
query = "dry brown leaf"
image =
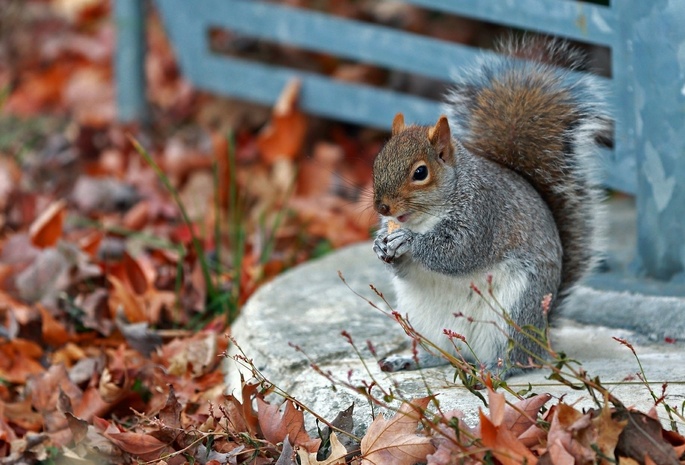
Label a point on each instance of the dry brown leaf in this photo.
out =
(642, 436)
(91, 404)
(113, 384)
(141, 445)
(336, 457)
(558, 454)
(276, 427)
(395, 441)
(608, 431)
(452, 449)
(572, 431)
(45, 388)
(170, 415)
(46, 230)
(197, 355)
(627, 461)
(520, 416)
(284, 136)
(22, 414)
(505, 446)
(135, 274)
(131, 304)
(78, 427)
(676, 440)
(241, 416)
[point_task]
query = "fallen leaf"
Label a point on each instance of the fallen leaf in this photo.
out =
(505, 446)
(46, 230)
(22, 414)
(91, 404)
(197, 354)
(241, 417)
(395, 441)
(19, 360)
(608, 432)
(642, 437)
(130, 303)
(54, 332)
(284, 136)
(520, 416)
(141, 445)
(113, 384)
(276, 427)
(287, 456)
(344, 421)
(170, 415)
(78, 427)
(136, 276)
(53, 271)
(571, 431)
(496, 404)
(139, 336)
(452, 448)
(336, 457)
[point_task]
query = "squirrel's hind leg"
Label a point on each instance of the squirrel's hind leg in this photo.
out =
(423, 359)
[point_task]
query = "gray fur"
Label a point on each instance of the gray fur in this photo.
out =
(487, 213)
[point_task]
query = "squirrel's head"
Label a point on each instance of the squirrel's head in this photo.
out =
(411, 170)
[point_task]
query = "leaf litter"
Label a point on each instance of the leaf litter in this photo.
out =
(110, 346)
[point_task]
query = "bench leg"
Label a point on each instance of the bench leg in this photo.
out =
(129, 61)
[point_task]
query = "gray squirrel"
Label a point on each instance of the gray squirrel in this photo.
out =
(501, 193)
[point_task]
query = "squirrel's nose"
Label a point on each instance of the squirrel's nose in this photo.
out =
(382, 208)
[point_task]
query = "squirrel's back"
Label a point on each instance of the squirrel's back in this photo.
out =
(543, 122)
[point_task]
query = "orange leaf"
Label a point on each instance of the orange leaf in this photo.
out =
(19, 360)
(505, 447)
(131, 304)
(54, 332)
(91, 243)
(91, 404)
(497, 403)
(395, 441)
(46, 230)
(138, 216)
(283, 138)
(291, 424)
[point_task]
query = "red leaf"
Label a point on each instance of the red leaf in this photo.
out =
(46, 230)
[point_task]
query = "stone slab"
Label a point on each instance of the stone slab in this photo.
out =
(310, 306)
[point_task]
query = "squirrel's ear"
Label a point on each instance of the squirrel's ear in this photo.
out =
(440, 137)
(398, 124)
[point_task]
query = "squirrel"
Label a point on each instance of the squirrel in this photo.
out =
(500, 194)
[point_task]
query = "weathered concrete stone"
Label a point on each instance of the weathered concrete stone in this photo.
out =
(310, 306)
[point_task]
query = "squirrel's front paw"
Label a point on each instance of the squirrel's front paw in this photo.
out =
(391, 246)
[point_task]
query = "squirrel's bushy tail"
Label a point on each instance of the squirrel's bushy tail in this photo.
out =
(544, 122)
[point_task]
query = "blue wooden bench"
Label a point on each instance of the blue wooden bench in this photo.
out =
(646, 39)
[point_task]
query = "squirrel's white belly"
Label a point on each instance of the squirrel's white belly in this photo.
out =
(431, 300)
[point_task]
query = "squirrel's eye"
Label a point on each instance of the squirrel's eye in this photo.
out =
(420, 173)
